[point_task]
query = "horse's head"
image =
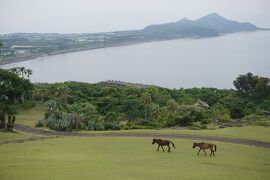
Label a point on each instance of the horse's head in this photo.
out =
(194, 145)
(154, 141)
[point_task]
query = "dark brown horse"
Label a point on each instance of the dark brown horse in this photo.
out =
(204, 146)
(162, 143)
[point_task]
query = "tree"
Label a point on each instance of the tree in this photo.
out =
(155, 110)
(22, 71)
(11, 111)
(87, 109)
(62, 93)
(40, 93)
(81, 111)
(146, 100)
(11, 87)
(3, 101)
(172, 105)
(250, 86)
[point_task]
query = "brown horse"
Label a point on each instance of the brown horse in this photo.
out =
(204, 146)
(162, 143)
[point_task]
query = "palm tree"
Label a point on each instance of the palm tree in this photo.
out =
(39, 93)
(155, 110)
(146, 100)
(62, 93)
(29, 72)
(21, 71)
(172, 105)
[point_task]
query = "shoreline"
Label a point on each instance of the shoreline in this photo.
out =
(35, 56)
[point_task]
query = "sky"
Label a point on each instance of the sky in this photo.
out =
(79, 16)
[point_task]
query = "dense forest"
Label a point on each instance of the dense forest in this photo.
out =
(76, 105)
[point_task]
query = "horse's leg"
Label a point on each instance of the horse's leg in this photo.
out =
(169, 148)
(199, 151)
(211, 150)
(158, 148)
(204, 152)
(162, 148)
(213, 153)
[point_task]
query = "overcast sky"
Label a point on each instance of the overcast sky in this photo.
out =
(67, 16)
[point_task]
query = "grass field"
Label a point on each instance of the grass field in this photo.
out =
(12, 136)
(29, 117)
(128, 158)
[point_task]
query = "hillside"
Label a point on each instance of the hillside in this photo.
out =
(223, 25)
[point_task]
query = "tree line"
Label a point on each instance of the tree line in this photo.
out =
(76, 105)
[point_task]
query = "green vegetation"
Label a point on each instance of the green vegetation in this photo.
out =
(28, 117)
(74, 105)
(82, 106)
(14, 88)
(128, 158)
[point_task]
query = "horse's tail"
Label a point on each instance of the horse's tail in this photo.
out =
(173, 144)
(215, 147)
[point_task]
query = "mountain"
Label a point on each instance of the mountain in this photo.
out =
(206, 26)
(223, 25)
(182, 28)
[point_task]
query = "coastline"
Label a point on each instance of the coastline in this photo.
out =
(35, 56)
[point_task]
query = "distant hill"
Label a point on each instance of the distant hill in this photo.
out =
(223, 25)
(206, 26)
(184, 28)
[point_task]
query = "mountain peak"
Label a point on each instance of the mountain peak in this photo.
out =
(223, 25)
(210, 25)
(213, 16)
(184, 20)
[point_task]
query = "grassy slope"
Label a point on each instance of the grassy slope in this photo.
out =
(12, 135)
(128, 158)
(29, 117)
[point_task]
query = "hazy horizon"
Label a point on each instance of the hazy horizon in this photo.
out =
(80, 16)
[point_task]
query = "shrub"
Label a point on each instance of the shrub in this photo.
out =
(63, 123)
(111, 125)
(95, 125)
(40, 123)
(198, 125)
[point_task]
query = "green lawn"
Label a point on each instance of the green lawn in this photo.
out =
(126, 158)
(12, 135)
(29, 117)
